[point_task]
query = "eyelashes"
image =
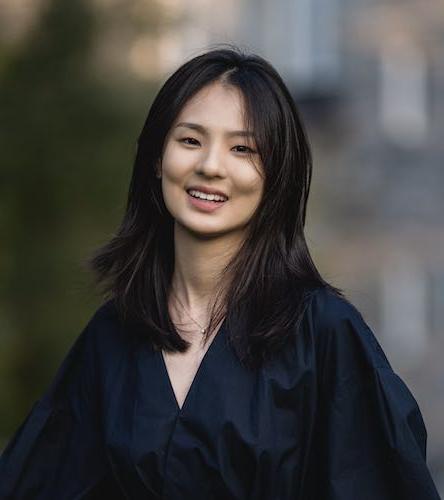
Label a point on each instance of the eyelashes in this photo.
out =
(247, 149)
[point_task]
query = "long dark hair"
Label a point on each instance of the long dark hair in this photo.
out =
(264, 287)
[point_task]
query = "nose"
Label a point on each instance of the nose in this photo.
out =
(211, 162)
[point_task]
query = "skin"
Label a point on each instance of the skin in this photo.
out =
(205, 241)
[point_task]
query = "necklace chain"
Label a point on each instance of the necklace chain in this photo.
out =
(202, 329)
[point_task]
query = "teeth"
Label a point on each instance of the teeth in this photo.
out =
(205, 196)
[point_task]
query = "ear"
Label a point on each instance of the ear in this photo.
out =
(158, 169)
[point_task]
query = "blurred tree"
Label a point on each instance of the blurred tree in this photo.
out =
(67, 143)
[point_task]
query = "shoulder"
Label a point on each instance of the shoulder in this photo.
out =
(104, 335)
(91, 359)
(328, 308)
(106, 312)
(103, 321)
(341, 334)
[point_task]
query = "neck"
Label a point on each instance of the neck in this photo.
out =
(197, 264)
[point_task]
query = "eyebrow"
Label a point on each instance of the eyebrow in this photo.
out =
(203, 130)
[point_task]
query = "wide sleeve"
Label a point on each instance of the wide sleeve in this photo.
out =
(58, 452)
(370, 438)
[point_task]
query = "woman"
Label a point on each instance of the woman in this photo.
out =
(222, 365)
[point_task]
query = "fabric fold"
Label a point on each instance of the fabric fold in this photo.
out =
(58, 452)
(371, 437)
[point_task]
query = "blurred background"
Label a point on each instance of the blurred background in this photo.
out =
(76, 82)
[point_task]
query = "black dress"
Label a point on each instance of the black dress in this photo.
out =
(326, 419)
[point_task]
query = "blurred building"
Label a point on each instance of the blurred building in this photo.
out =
(369, 80)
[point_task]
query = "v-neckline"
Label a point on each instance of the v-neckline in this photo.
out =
(211, 348)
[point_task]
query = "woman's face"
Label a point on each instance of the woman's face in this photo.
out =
(206, 150)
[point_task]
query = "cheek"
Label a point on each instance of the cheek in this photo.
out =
(177, 159)
(249, 183)
(174, 164)
(173, 172)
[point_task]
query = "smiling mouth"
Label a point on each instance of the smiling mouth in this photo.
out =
(196, 197)
(204, 205)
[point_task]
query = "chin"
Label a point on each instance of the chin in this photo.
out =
(204, 231)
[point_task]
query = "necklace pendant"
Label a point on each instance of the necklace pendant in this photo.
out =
(203, 330)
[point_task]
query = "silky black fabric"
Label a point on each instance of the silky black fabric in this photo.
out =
(326, 419)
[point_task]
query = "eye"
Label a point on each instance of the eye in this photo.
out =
(245, 150)
(188, 139)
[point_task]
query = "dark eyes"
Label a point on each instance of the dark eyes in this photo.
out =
(244, 149)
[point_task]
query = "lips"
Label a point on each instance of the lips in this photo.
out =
(207, 190)
(204, 205)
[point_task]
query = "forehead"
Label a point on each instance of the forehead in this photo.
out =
(216, 104)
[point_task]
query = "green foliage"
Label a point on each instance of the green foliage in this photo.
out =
(67, 145)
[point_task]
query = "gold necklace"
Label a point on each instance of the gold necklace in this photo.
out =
(202, 329)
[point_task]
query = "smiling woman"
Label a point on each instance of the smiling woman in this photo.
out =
(221, 365)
